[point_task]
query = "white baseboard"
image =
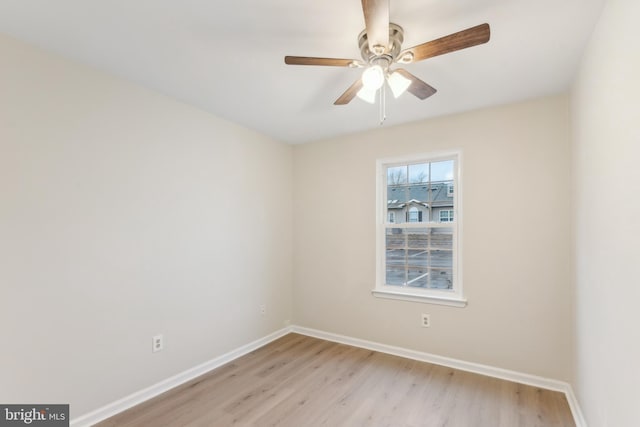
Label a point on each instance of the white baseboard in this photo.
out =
(176, 380)
(578, 417)
(140, 396)
(477, 368)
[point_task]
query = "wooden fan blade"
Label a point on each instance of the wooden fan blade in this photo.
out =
(376, 19)
(332, 62)
(349, 94)
(418, 88)
(462, 39)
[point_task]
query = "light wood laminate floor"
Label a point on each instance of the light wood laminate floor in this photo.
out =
(298, 381)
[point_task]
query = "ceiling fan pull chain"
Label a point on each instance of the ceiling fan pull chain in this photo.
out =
(383, 106)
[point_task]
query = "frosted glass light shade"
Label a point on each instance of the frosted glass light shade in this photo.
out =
(367, 94)
(373, 77)
(398, 83)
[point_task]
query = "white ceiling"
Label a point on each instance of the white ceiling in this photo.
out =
(226, 57)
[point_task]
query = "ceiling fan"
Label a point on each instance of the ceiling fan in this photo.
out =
(381, 46)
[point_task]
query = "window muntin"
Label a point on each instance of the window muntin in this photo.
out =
(418, 251)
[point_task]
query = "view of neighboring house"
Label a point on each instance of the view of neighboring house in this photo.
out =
(420, 202)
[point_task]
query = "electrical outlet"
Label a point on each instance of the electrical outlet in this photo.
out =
(426, 320)
(157, 343)
(263, 309)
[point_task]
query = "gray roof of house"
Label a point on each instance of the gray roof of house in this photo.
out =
(399, 195)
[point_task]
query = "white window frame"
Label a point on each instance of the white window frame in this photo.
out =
(450, 297)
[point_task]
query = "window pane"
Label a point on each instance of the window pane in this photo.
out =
(396, 275)
(442, 171)
(418, 193)
(441, 258)
(418, 277)
(441, 279)
(396, 257)
(417, 238)
(439, 196)
(395, 239)
(419, 173)
(417, 257)
(442, 186)
(397, 175)
(441, 238)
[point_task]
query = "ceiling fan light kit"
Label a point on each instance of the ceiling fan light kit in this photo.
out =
(395, 80)
(373, 77)
(367, 95)
(398, 83)
(380, 46)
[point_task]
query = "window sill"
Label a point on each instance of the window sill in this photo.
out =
(415, 297)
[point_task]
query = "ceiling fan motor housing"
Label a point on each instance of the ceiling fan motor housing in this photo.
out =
(387, 54)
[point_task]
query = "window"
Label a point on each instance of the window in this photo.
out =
(418, 255)
(446, 215)
(414, 215)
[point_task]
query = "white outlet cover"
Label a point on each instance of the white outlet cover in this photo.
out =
(426, 320)
(157, 343)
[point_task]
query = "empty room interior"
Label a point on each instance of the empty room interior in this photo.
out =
(428, 220)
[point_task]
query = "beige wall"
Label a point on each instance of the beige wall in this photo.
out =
(606, 119)
(114, 227)
(516, 266)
